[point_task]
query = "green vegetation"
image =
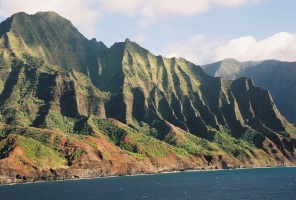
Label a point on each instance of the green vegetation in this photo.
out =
(136, 155)
(32, 61)
(108, 128)
(76, 155)
(6, 147)
(133, 141)
(232, 146)
(192, 144)
(40, 155)
(92, 144)
(63, 97)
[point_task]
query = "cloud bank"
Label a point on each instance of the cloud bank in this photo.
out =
(85, 13)
(151, 10)
(202, 50)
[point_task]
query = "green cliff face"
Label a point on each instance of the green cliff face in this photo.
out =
(276, 76)
(53, 39)
(71, 107)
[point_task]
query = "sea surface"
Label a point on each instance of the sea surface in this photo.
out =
(268, 183)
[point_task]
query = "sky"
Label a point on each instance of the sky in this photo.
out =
(201, 31)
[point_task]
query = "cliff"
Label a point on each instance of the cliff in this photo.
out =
(276, 76)
(73, 108)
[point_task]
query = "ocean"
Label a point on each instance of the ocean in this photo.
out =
(260, 183)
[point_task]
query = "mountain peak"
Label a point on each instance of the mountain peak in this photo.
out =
(52, 38)
(49, 13)
(127, 41)
(40, 17)
(47, 16)
(229, 60)
(40, 13)
(20, 20)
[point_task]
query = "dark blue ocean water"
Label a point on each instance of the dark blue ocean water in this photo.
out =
(272, 183)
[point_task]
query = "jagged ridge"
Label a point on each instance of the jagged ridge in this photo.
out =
(123, 110)
(276, 76)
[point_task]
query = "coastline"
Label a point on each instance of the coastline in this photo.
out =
(144, 174)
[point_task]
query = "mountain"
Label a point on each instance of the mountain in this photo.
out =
(278, 77)
(73, 108)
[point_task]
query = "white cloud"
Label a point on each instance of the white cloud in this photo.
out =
(279, 46)
(234, 3)
(202, 50)
(84, 13)
(141, 38)
(129, 7)
(151, 10)
(197, 49)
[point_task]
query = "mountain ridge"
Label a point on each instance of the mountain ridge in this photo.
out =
(276, 76)
(36, 41)
(97, 111)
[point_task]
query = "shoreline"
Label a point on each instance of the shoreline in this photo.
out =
(142, 174)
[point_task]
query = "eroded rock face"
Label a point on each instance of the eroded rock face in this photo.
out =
(123, 110)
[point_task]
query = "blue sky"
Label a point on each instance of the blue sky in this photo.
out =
(201, 31)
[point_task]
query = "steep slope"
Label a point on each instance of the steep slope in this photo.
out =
(74, 108)
(181, 93)
(160, 91)
(48, 36)
(276, 76)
